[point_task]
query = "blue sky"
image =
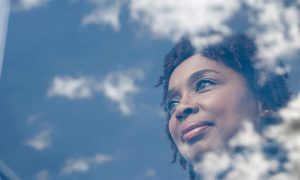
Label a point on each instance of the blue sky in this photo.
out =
(77, 86)
(41, 133)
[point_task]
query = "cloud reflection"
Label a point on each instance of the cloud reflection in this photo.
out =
(83, 164)
(117, 86)
(40, 141)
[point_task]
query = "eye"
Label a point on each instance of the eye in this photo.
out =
(171, 105)
(202, 84)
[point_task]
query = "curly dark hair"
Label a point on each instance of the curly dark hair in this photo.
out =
(237, 52)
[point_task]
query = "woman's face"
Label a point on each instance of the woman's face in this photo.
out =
(207, 102)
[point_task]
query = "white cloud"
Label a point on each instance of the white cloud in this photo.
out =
(118, 87)
(4, 13)
(251, 166)
(78, 165)
(276, 28)
(30, 4)
(208, 165)
(171, 18)
(292, 112)
(275, 25)
(40, 141)
(71, 88)
(244, 165)
(83, 164)
(42, 175)
(102, 158)
(288, 134)
(176, 18)
(246, 137)
(34, 117)
(107, 15)
(150, 172)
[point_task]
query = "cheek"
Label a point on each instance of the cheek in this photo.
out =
(173, 128)
(231, 110)
(233, 99)
(228, 107)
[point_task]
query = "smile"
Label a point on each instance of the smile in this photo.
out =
(191, 130)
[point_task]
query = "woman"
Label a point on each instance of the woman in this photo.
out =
(208, 94)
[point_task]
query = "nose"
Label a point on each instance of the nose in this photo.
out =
(185, 109)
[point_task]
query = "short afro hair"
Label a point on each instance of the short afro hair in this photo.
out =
(239, 53)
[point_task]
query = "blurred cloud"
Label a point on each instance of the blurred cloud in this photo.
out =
(83, 164)
(150, 172)
(244, 164)
(274, 23)
(4, 14)
(276, 27)
(71, 88)
(173, 19)
(292, 112)
(208, 166)
(117, 86)
(40, 141)
(251, 166)
(42, 175)
(30, 4)
(246, 137)
(104, 15)
(239, 165)
(34, 117)
(288, 134)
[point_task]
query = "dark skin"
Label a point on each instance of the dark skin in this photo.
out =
(207, 105)
(238, 53)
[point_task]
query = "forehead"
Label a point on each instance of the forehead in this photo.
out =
(193, 64)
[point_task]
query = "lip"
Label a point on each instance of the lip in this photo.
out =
(190, 130)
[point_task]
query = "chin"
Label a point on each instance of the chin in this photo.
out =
(193, 152)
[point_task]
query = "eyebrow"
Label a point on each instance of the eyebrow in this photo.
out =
(193, 77)
(200, 74)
